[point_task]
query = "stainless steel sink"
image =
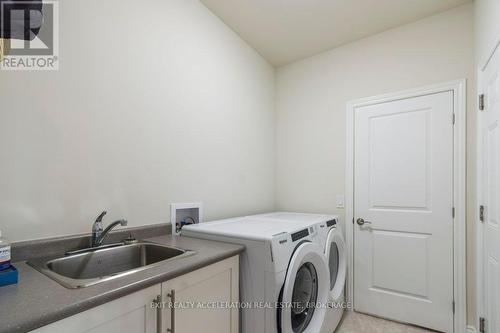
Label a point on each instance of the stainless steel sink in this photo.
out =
(99, 265)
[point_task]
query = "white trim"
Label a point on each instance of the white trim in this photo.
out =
(459, 196)
(460, 203)
(471, 329)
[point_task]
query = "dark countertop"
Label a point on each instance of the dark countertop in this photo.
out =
(38, 300)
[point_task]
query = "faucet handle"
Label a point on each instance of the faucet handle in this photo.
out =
(101, 216)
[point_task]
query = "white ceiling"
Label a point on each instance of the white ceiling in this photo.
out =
(287, 30)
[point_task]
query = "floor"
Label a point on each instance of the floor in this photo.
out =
(359, 323)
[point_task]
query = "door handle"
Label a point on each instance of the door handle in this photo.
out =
(172, 311)
(159, 319)
(361, 221)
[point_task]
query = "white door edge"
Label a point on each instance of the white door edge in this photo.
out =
(459, 183)
(481, 227)
(479, 193)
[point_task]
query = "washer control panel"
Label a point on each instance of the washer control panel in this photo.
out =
(300, 234)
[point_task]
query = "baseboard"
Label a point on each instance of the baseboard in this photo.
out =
(471, 329)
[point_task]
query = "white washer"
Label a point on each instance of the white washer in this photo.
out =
(331, 239)
(283, 264)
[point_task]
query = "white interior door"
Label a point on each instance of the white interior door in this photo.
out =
(403, 191)
(490, 158)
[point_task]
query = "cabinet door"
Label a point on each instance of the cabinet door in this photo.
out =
(203, 300)
(130, 314)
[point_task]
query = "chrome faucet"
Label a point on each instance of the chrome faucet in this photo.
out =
(98, 234)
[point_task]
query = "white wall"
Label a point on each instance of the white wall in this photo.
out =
(311, 98)
(487, 30)
(155, 102)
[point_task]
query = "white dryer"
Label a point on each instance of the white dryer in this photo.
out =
(282, 272)
(335, 251)
(331, 239)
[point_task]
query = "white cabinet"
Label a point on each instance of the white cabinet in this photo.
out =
(201, 302)
(129, 314)
(204, 300)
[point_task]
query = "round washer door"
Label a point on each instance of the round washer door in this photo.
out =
(305, 292)
(337, 263)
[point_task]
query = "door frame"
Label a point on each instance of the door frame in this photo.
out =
(458, 88)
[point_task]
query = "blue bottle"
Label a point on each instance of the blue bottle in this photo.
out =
(4, 253)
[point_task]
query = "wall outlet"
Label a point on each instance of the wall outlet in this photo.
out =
(340, 201)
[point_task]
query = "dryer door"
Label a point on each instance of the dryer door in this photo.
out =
(305, 290)
(337, 264)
